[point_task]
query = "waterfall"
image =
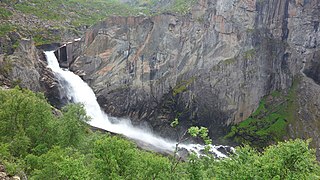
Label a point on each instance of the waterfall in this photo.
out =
(79, 92)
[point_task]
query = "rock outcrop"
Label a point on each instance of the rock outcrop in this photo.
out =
(209, 68)
(26, 67)
(5, 176)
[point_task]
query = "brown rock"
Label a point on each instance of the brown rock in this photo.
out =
(3, 175)
(15, 178)
(2, 169)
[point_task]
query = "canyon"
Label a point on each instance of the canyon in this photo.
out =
(210, 67)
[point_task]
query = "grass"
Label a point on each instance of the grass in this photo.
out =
(5, 67)
(292, 103)
(76, 14)
(182, 6)
(42, 39)
(84, 12)
(5, 28)
(276, 93)
(249, 54)
(261, 109)
(4, 13)
(269, 122)
(182, 86)
(39, 10)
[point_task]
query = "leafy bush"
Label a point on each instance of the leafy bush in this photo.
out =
(25, 117)
(58, 163)
(44, 146)
(287, 160)
(116, 158)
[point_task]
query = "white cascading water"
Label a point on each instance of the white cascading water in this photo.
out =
(79, 92)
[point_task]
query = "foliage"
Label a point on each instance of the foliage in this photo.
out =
(174, 123)
(28, 126)
(42, 36)
(58, 163)
(5, 67)
(4, 13)
(202, 132)
(25, 117)
(72, 125)
(287, 160)
(269, 122)
(72, 16)
(249, 54)
(182, 86)
(6, 28)
(116, 158)
(12, 164)
(44, 146)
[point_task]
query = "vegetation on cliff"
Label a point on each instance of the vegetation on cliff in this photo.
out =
(269, 123)
(51, 21)
(44, 143)
(41, 142)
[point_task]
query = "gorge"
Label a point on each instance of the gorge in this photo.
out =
(78, 91)
(211, 67)
(248, 70)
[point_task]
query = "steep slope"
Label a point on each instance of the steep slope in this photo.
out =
(26, 24)
(54, 21)
(26, 68)
(209, 68)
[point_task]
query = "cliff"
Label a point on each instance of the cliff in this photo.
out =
(26, 67)
(210, 67)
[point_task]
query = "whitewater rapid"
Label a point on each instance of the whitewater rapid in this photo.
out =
(79, 92)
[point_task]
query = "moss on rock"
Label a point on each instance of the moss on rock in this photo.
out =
(269, 122)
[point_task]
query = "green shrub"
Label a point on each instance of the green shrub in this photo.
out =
(286, 160)
(44, 146)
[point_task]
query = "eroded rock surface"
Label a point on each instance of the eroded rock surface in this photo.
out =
(26, 67)
(208, 68)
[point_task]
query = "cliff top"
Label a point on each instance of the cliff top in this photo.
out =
(48, 21)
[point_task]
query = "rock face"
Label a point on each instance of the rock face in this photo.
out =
(26, 67)
(208, 68)
(307, 124)
(5, 176)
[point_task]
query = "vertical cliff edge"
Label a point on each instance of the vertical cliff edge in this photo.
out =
(210, 67)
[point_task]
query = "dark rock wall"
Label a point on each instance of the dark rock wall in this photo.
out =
(210, 67)
(26, 67)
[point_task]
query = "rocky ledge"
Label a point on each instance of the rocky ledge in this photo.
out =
(26, 67)
(209, 68)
